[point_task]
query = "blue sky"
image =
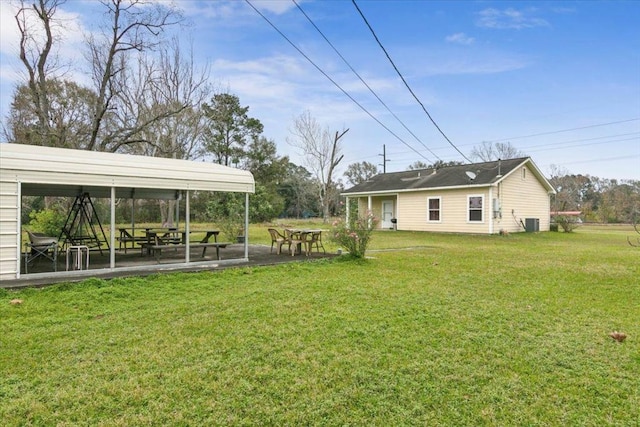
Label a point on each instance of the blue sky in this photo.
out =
(558, 80)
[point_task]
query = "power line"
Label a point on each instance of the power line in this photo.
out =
(334, 82)
(601, 159)
(529, 152)
(565, 145)
(407, 85)
(565, 130)
(362, 80)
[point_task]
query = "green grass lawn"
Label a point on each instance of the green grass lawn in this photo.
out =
(432, 329)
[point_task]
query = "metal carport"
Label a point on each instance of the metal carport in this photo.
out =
(27, 170)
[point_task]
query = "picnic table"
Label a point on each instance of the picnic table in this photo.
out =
(159, 239)
(129, 236)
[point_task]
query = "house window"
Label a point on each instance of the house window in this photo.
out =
(434, 209)
(475, 208)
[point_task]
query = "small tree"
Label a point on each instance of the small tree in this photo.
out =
(321, 154)
(568, 223)
(354, 234)
(357, 173)
(227, 211)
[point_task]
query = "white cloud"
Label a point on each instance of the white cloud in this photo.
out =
(274, 6)
(232, 9)
(509, 19)
(8, 34)
(460, 38)
(279, 65)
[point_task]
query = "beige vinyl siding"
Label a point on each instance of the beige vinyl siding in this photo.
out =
(453, 211)
(376, 206)
(9, 229)
(522, 196)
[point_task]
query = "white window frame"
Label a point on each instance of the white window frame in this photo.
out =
(473, 221)
(439, 199)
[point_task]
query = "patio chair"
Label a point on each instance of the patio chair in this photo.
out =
(277, 239)
(41, 246)
(316, 239)
(296, 241)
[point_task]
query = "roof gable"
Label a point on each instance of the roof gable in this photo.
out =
(485, 174)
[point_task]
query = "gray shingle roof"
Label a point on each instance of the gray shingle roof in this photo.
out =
(450, 176)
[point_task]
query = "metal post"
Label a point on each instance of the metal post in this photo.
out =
(187, 225)
(112, 238)
(246, 226)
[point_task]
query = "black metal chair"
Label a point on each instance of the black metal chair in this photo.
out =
(41, 246)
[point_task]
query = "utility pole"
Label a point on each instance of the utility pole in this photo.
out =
(384, 158)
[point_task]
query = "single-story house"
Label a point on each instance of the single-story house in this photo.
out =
(482, 198)
(27, 170)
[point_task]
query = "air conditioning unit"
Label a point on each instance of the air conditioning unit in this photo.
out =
(532, 224)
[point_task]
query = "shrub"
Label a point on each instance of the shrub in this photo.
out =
(354, 234)
(231, 226)
(47, 221)
(568, 223)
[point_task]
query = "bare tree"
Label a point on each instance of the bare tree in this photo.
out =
(490, 151)
(135, 27)
(36, 26)
(438, 164)
(418, 164)
(165, 109)
(163, 118)
(320, 150)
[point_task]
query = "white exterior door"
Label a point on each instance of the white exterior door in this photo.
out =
(387, 214)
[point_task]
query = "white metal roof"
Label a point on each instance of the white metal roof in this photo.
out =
(66, 172)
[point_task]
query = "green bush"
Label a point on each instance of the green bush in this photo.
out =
(264, 206)
(568, 223)
(231, 226)
(47, 221)
(354, 235)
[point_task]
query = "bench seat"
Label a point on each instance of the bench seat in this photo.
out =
(157, 249)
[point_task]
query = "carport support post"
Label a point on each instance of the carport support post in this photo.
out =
(187, 224)
(369, 210)
(112, 238)
(246, 225)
